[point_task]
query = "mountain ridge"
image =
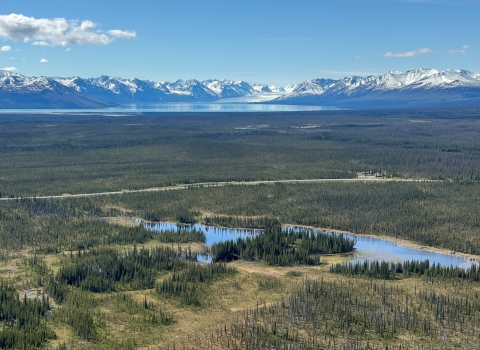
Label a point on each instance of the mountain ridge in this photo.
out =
(416, 87)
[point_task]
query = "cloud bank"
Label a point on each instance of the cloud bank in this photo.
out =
(57, 31)
(9, 69)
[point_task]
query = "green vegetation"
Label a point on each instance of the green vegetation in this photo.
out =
(189, 286)
(239, 222)
(45, 154)
(439, 214)
(83, 273)
(23, 321)
(182, 236)
(356, 315)
(390, 270)
(283, 247)
(102, 270)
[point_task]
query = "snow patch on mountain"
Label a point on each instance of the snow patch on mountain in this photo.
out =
(228, 88)
(415, 79)
(393, 87)
(290, 87)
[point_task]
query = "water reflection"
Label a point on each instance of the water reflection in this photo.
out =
(212, 234)
(371, 248)
(176, 108)
(367, 248)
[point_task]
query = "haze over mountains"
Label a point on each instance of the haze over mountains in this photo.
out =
(414, 88)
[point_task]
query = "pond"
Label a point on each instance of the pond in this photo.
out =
(212, 234)
(366, 248)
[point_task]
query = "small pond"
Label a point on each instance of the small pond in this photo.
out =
(212, 234)
(367, 248)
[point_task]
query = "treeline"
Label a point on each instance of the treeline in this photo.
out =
(181, 215)
(108, 269)
(395, 270)
(440, 214)
(189, 286)
(240, 222)
(23, 321)
(183, 235)
(21, 227)
(53, 226)
(281, 247)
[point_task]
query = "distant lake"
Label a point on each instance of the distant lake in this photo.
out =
(177, 108)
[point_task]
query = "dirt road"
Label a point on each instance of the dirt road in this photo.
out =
(217, 184)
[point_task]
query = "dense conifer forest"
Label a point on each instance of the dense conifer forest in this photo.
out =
(84, 272)
(23, 321)
(282, 247)
(55, 154)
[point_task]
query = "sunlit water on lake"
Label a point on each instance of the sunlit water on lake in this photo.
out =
(176, 108)
(367, 248)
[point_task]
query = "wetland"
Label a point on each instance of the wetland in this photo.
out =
(82, 273)
(366, 247)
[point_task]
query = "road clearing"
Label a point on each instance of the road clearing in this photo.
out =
(217, 184)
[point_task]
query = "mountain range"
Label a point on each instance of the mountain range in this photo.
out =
(414, 88)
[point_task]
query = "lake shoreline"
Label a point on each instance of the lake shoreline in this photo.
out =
(399, 241)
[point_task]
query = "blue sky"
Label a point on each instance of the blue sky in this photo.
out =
(268, 41)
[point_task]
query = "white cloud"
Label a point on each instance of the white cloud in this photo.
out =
(123, 34)
(462, 50)
(57, 31)
(43, 60)
(357, 57)
(414, 53)
(40, 43)
(5, 48)
(9, 69)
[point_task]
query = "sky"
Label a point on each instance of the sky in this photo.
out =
(275, 42)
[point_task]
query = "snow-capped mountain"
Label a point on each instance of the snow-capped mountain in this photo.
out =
(415, 88)
(313, 87)
(290, 87)
(261, 88)
(18, 91)
(109, 91)
(276, 89)
(191, 90)
(418, 87)
(410, 80)
(116, 90)
(229, 88)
